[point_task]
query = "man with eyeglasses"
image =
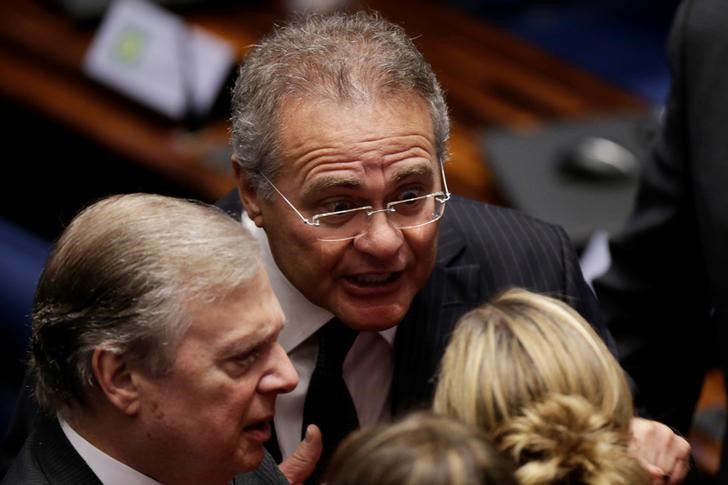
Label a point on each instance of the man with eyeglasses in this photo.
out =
(339, 133)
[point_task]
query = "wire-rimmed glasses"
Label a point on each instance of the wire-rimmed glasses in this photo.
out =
(347, 224)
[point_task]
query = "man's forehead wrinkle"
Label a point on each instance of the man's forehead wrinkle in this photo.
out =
(344, 152)
(340, 141)
(396, 140)
(312, 160)
(423, 156)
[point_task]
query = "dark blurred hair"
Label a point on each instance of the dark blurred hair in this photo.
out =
(422, 448)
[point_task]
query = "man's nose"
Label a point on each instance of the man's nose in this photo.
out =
(282, 377)
(382, 238)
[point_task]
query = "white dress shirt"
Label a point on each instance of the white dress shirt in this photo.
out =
(367, 368)
(109, 471)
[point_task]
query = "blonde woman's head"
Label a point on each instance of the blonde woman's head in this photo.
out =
(532, 373)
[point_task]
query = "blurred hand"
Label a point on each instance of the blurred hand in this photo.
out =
(664, 454)
(301, 463)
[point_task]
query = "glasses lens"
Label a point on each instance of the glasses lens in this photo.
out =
(417, 211)
(338, 226)
(403, 214)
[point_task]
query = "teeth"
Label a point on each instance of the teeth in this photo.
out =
(371, 278)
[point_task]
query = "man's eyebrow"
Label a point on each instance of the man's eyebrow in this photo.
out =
(244, 345)
(325, 183)
(238, 347)
(413, 171)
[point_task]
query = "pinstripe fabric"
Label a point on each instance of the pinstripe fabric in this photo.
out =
(666, 295)
(482, 249)
(48, 458)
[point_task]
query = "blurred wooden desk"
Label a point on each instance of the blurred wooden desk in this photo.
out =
(490, 78)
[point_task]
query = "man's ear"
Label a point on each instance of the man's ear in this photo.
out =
(248, 194)
(116, 380)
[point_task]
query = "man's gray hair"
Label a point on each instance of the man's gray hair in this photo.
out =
(129, 275)
(340, 57)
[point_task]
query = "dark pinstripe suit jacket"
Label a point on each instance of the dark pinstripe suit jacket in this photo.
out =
(482, 249)
(666, 295)
(47, 458)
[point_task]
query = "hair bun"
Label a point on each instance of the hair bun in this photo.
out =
(565, 439)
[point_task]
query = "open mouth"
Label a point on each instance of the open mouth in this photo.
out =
(372, 285)
(260, 430)
(374, 279)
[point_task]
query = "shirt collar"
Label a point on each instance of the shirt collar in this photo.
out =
(106, 468)
(389, 334)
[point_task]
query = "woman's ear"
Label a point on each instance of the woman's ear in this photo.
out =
(248, 194)
(115, 379)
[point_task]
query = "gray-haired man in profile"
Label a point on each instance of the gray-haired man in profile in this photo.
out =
(154, 350)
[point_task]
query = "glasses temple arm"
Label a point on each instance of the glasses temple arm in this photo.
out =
(444, 180)
(304, 219)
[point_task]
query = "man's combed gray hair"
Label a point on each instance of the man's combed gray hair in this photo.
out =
(127, 275)
(341, 57)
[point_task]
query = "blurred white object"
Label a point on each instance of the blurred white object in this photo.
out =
(154, 57)
(596, 259)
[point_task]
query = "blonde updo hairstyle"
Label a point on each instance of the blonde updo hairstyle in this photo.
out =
(535, 376)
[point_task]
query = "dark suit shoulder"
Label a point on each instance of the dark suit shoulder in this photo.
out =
(465, 211)
(25, 469)
(47, 457)
(512, 249)
(502, 236)
(482, 250)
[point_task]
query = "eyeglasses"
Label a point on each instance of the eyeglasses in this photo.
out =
(407, 213)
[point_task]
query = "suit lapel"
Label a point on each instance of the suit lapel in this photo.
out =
(453, 288)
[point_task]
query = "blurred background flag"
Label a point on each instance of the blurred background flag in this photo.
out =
(155, 58)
